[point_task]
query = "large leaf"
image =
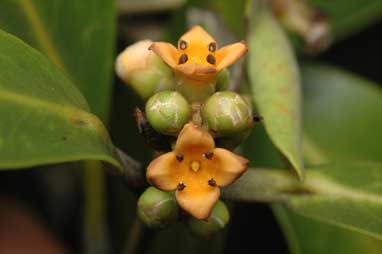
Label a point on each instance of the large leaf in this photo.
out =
(78, 36)
(333, 99)
(305, 235)
(345, 195)
(342, 114)
(44, 118)
(275, 85)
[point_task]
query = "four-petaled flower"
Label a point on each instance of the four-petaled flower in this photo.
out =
(198, 57)
(196, 170)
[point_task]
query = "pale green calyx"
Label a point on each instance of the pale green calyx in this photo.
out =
(217, 221)
(143, 70)
(227, 113)
(157, 208)
(223, 80)
(168, 112)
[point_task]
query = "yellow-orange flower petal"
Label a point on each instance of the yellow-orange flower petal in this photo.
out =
(166, 51)
(193, 139)
(198, 200)
(196, 169)
(226, 166)
(230, 54)
(163, 172)
(197, 33)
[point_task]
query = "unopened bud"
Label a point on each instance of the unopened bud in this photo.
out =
(167, 112)
(143, 70)
(227, 113)
(217, 221)
(157, 208)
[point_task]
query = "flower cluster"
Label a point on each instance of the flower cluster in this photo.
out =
(186, 98)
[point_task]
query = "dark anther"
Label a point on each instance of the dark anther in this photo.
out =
(182, 59)
(211, 182)
(179, 157)
(211, 59)
(181, 186)
(182, 44)
(212, 47)
(257, 118)
(208, 155)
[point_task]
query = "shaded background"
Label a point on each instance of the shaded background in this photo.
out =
(53, 200)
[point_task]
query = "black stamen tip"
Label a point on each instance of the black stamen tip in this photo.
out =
(212, 182)
(182, 45)
(208, 155)
(258, 118)
(182, 59)
(211, 59)
(179, 157)
(181, 186)
(212, 47)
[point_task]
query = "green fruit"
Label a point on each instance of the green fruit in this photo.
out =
(226, 113)
(157, 208)
(217, 221)
(168, 112)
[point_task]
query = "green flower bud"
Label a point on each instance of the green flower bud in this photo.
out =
(219, 218)
(167, 112)
(227, 113)
(144, 70)
(223, 80)
(157, 208)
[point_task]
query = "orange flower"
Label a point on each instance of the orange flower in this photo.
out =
(196, 170)
(197, 57)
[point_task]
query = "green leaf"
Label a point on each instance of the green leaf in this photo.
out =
(78, 36)
(333, 99)
(348, 17)
(274, 77)
(341, 114)
(305, 235)
(345, 195)
(44, 118)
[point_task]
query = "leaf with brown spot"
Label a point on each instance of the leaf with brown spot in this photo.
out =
(44, 118)
(275, 84)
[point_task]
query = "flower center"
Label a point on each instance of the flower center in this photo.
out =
(195, 166)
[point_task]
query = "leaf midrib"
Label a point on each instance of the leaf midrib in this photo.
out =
(75, 115)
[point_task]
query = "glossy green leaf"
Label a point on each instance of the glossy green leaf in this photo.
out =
(275, 83)
(333, 100)
(349, 16)
(345, 195)
(77, 36)
(305, 235)
(44, 118)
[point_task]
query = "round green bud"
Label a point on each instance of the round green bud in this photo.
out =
(167, 112)
(143, 70)
(218, 220)
(223, 80)
(227, 113)
(157, 208)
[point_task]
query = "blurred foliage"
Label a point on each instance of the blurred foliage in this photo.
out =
(53, 123)
(340, 113)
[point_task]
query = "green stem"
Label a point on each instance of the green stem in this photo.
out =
(94, 221)
(134, 237)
